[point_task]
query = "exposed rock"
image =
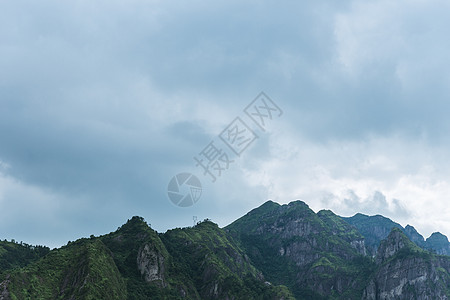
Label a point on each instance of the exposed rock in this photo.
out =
(410, 278)
(151, 264)
(377, 228)
(301, 253)
(407, 272)
(4, 294)
(311, 247)
(344, 230)
(414, 236)
(360, 246)
(389, 247)
(373, 228)
(273, 252)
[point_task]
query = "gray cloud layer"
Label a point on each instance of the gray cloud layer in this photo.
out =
(101, 103)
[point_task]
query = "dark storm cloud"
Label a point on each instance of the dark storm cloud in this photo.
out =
(101, 103)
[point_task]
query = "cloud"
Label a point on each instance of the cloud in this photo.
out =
(395, 51)
(102, 103)
(400, 178)
(376, 204)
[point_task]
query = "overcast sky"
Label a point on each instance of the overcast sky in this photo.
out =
(103, 102)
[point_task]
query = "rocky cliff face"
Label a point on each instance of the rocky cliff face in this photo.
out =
(274, 252)
(151, 264)
(338, 227)
(216, 262)
(395, 242)
(373, 228)
(4, 294)
(414, 236)
(135, 262)
(377, 228)
(407, 272)
(316, 255)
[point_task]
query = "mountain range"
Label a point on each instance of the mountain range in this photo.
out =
(273, 252)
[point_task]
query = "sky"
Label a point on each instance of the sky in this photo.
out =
(102, 103)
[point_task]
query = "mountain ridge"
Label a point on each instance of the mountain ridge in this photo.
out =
(377, 227)
(273, 252)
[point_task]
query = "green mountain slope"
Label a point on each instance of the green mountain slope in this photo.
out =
(82, 270)
(218, 269)
(373, 228)
(273, 252)
(315, 255)
(135, 262)
(14, 255)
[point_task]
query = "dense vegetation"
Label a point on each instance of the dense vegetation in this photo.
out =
(273, 252)
(320, 253)
(135, 262)
(17, 255)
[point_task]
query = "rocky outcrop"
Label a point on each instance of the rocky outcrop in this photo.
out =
(219, 267)
(392, 245)
(342, 229)
(407, 272)
(360, 246)
(150, 264)
(377, 228)
(4, 294)
(320, 251)
(414, 236)
(273, 252)
(373, 228)
(409, 278)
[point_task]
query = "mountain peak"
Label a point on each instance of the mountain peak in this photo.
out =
(360, 215)
(437, 236)
(414, 236)
(298, 203)
(438, 243)
(273, 252)
(297, 206)
(396, 241)
(135, 220)
(373, 228)
(269, 204)
(137, 229)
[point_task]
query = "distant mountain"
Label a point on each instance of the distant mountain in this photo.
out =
(377, 228)
(373, 228)
(438, 243)
(273, 252)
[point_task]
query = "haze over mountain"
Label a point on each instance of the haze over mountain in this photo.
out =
(273, 252)
(377, 228)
